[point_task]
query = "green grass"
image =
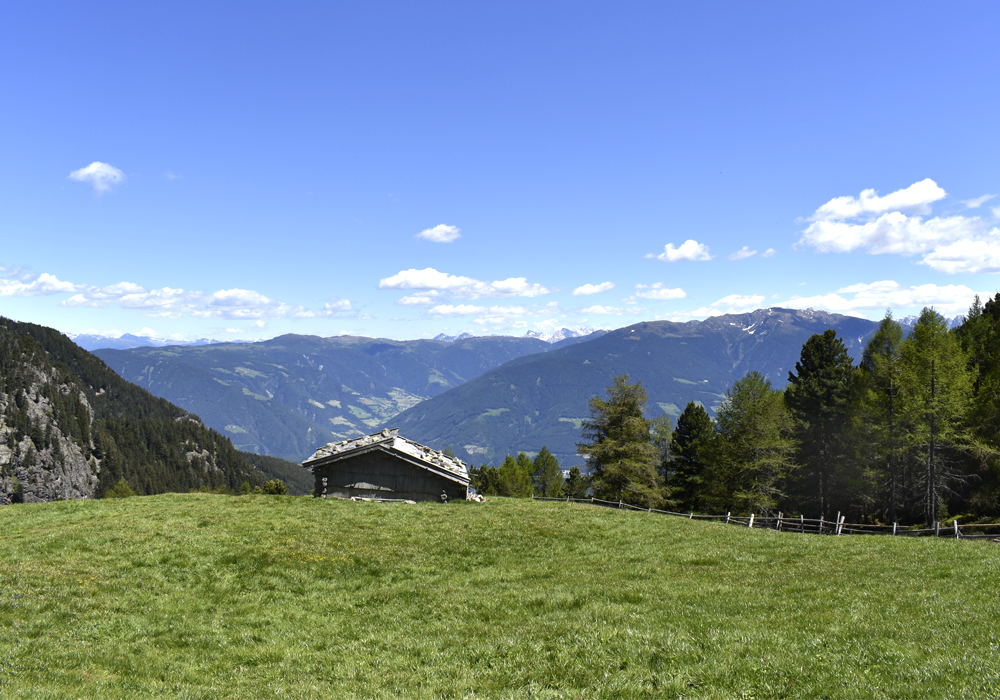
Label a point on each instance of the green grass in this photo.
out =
(204, 596)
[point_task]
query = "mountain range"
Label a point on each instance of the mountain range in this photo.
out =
(126, 341)
(484, 396)
(542, 399)
(289, 395)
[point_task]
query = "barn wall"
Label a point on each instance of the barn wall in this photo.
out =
(378, 474)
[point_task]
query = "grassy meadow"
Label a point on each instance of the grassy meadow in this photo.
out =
(209, 596)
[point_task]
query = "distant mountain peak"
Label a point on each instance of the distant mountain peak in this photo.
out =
(562, 334)
(453, 338)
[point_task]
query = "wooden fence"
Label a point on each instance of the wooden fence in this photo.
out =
(820, 526)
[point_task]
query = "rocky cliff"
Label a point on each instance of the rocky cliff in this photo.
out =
(71, 428)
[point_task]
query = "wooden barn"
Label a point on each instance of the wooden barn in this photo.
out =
(385, 465)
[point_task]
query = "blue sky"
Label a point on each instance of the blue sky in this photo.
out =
(242, 170)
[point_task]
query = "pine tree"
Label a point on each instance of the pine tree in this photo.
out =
(695, 452)
(879, 415)
(757, 447)
(515, 476)
(485, 480)
(819, 398)
(937, 385)
(979, 335)
(547, 477)
(624, 462)
(576, 484)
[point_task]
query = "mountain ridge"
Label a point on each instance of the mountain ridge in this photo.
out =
(541, 400)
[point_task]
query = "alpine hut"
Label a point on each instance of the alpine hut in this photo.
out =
(387, 466)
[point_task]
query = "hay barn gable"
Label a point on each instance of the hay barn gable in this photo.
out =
(388, 466)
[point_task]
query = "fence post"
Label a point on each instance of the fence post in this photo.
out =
(779, 521)
(956, 528)
(836, 524)
(727, 517)
(751, 520)
(821, 524)
(840, 524)
(937, 528)
(691, 517)
(894, 525)
(802, 523)
(619, 504)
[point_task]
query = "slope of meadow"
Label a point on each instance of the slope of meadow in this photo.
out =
(207, 596)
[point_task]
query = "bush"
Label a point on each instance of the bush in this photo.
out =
(17, 494)
(274, 487)
(120, 490)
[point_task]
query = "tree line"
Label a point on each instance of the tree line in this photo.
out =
(910, 434)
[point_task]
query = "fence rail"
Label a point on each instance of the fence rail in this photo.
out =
(814, 526)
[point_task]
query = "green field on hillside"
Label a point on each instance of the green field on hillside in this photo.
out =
(208, 596)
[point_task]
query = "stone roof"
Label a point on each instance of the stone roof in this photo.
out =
(390, 441)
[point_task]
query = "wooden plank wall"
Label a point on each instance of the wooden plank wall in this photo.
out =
(395, 477)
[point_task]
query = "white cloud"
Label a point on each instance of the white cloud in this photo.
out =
(977, 256)
(442, 233)
(101, 176)
(42, 285)
(683, 316)
(495, 316)
(769, 253)
(995, 211)
(593, 289)
(336, 305)
(459, 310)
(421, 299)
(80, 301)
(877, 296)
(916, 198)
(877, 225)
(978, 201)
(171, 303)
(743, 252)
(656, 291)
(894, 232)
(603, 310)
(689, 250)
(736, 301)
(461, 287)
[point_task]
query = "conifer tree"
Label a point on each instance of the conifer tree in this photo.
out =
(937, 385)
(515, 476)
(757, 446)
(694, 449)
(979, 335)
(819, 398)
(624, 462)
(576, 484)
(547, 477)
(879, 413)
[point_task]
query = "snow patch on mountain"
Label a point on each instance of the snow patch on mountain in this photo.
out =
(562, 334)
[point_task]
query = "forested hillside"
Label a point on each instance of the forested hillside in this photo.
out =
(72, 428)
(292, 394)
(542, 399)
